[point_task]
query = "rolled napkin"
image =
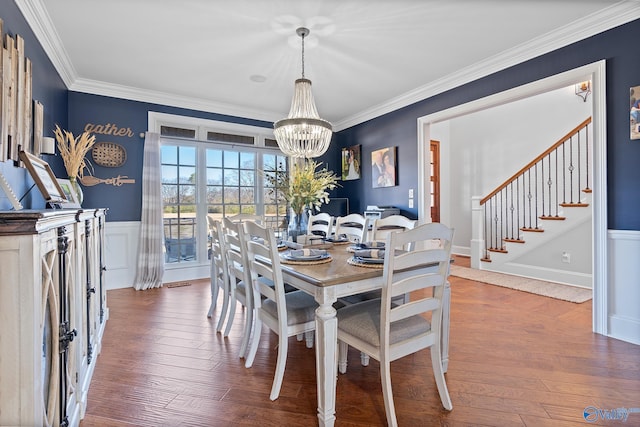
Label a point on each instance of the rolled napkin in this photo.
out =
(370, 253)
(306, 252)
(372, 245)
(340, 238)
(292, 245)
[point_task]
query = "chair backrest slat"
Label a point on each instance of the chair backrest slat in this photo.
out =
(354, 226)
(320, 223)
(383, 226)
(413, 308)
(417, 282)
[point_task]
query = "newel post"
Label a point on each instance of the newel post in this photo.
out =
(477, 231)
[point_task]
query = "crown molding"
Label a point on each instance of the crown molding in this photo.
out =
(617, 14)
(96, 87)
(606, 19)
(38, 19)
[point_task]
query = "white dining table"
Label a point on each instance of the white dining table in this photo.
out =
(326, 283)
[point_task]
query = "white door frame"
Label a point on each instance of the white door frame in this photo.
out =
(596, 73)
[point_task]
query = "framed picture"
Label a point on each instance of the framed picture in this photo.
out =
(44, 178)
(383, 167)
(351, 163)
(634, 113)
(73, 201)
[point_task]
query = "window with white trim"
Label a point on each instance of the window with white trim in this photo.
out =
(211, 170)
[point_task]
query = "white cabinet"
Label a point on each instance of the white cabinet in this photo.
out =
(52, 313)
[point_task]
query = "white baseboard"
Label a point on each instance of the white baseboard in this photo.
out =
(461, 250)
(550, 274)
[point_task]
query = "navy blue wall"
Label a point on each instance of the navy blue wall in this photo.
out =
(48, 88)
(400, 127)
(125, 202)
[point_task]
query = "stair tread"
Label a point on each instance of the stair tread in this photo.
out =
(535, 230)
(574, 205)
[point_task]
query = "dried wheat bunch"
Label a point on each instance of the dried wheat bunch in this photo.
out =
(73, 150)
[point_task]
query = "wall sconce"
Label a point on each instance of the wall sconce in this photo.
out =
(583, 89)
(48, 145)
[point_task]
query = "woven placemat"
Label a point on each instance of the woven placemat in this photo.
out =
(357, 263)
(315, 262)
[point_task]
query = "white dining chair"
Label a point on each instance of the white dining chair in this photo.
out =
(354, 226)
(383, 226)
(219, 273)
(244, 217)
(387, 331)
(320, 224)
(240, 286)
(287, 314)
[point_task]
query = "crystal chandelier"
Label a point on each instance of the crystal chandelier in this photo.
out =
(303, 133)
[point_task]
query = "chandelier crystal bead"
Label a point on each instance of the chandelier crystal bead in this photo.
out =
(303, 133)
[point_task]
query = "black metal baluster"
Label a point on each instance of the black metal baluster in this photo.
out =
(586, 158)
(529, 196)
(542, 186)
(564, 173)
(518, 206)
(512, 209)
(571, 170)
(557, 186)
(535, 168)
(579, 174)
(549, 184)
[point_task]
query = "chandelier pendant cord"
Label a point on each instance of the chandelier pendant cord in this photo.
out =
(302, 55)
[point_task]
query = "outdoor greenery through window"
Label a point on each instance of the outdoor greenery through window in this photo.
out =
(205, 181)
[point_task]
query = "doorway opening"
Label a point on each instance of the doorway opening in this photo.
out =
(594, 72)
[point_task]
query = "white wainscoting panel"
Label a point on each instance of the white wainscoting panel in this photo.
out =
(624, 290)
(121, 249)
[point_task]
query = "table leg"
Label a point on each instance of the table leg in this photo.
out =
(446, 310)
(326, 359)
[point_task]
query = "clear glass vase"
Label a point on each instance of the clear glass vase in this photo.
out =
(297, 224)
(77, 189)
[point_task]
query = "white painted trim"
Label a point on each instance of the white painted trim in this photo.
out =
(617, 14)
(595, 72)
(156, 119)
(35, 13)
(570, 278)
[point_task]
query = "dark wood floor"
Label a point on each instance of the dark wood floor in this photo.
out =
(517, 359)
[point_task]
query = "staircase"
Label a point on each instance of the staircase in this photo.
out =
(548, 197)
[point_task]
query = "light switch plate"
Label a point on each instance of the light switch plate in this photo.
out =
(410, 203)
(411, 193)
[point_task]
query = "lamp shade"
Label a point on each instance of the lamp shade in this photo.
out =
(303, 133)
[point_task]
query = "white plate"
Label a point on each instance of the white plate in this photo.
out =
(305, 257)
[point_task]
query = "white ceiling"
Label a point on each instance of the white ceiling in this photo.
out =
(364, 57)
